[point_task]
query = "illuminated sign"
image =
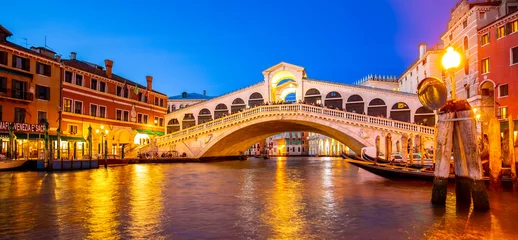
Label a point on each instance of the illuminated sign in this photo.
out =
(23, 127)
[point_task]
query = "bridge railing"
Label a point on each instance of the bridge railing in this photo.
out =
(302, 108)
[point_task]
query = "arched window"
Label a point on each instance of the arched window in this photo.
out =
(377, 108)
(188, 121)
(424, 116)
(173, 108)
(313, 96)
(256, 99)
(221, 111)
(466, 61)
(355, 104)
(173, 125)
(400, 112)
(334, 100)
(204, 116)
(237, 105)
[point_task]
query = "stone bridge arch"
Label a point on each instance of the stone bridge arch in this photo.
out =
(237, 138)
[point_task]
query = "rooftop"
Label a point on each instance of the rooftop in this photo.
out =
(98, 70)
(190, 96)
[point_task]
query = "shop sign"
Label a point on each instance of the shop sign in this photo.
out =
(23, 127)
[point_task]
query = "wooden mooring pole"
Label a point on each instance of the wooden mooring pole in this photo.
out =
(512, 154)
(442, 156)
(467, 133)
(495, 155)
(458, 116)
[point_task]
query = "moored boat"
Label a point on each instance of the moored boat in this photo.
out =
(6, 165)
(113, 160)
(395, 172)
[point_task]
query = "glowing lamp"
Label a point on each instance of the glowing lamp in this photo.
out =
(106, 131)
(96, 130)
(102, 127)
(451, 59)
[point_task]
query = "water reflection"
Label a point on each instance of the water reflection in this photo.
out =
(303, 198)
(284, 212)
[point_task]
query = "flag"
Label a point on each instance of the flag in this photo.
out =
(135, 90)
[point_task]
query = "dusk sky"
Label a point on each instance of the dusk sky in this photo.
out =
(220, 46)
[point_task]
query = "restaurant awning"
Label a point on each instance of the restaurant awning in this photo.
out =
(67, 138)
(149, 132)
(31, 136)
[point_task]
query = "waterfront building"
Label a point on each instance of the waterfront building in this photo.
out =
(29, 96)
(498, 54)
(288, 144)
(123, 114)
(184, 100)
(462, 34)
(428, 64)
(379, 81)
(321, 145)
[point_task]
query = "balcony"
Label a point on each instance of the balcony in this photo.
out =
(16, 94)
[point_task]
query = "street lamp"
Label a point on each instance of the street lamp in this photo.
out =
(450, 61)
(103, 144)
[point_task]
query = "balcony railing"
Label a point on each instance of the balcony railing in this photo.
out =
(16, 94)
(282, 109)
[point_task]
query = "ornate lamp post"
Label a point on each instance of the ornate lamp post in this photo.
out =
(103, 143)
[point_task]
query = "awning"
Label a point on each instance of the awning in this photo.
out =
(149, 132)
(31, 136)
(67, 138)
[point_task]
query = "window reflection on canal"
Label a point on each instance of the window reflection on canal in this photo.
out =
(296, 198)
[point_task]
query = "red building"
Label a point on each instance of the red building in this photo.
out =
(498, 62)
(122, 113)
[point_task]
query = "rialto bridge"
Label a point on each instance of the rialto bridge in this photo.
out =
(354, 115)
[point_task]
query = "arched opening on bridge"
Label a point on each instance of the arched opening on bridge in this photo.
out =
(237, 105)
(334, 100)
(355, 104)
(400, 112)
(173, 125)
(173, 107)
(282, 84)
(377, 108)
(188, 121)
(313, 97)
(291, 97)
(204, 116)
(181, 106)
(255, 100)
(221, 111)
(424, 116)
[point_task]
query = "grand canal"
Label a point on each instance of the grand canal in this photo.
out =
(305, 198)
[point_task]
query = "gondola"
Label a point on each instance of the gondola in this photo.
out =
(395, 172)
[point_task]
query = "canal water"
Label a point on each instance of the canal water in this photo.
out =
(304, 198)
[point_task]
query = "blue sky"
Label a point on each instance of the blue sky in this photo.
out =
(223, 45)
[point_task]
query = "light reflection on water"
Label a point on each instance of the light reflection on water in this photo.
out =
(296, 198)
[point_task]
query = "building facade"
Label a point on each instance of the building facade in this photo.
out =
(184, 100)
(288, 144)
(381, 82)
(122, 114)
(428, 64)
(498, 54)
(29, 97)
(321, 145)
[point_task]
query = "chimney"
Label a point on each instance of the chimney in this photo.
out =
(204, 92)
(73, 55)
(109, 64)
(422, 49)
(149, 83)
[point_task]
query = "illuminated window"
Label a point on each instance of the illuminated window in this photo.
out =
(502, 112)
(72, 129)
(485, 65)
(484, 39)
(514, 26)
(67, 105)
(500, 32)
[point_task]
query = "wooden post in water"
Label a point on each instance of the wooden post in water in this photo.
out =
(388, 147)
(404, 148)
(421, 148)
(467, 133)
(378, 140)
(512, 154)
(495, 155)
(462, 180)
(411, 144)
(435, 134)
(442, 156)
